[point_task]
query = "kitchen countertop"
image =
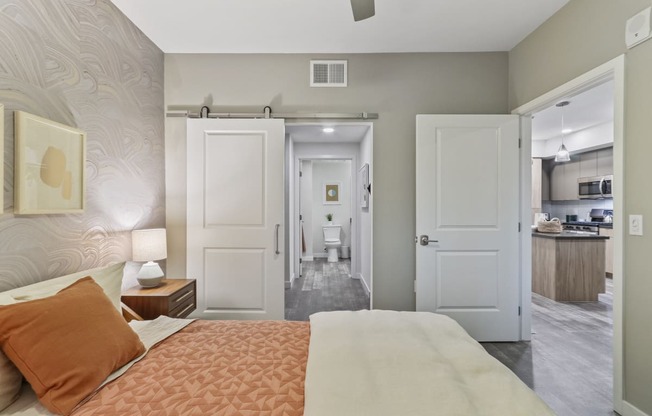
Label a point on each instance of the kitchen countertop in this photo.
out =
(570, 235)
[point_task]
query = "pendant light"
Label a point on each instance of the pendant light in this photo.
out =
(562, 154)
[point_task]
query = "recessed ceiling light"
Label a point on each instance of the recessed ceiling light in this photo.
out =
(566, 131)
(328, 130)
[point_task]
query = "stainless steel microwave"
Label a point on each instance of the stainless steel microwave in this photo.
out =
(595, 187)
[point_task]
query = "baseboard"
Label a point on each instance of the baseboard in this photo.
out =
(288, 284)
(320, 255)
(307, 258)
(364, 284)
(631, 410)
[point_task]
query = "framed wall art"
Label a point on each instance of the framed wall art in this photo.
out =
(331, 193)
(49, 173)
(364, 186)
(2, 153)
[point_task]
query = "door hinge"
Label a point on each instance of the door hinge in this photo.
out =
(519, 311)
(301, 173)
(519, 143)
(415, 285)
(300, 217)
(519, 227)
(300, 261)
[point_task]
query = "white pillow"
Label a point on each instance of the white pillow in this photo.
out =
(109, 278)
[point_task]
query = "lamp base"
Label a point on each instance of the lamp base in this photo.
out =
(149, 281)
(150, 275)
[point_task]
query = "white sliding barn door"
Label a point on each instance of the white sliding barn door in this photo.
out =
(468, 202)
(235, 217)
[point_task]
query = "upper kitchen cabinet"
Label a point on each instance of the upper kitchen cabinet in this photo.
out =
(563, 176)
(605, 162)
(563, 180)
(588, 164)
(597, 163)
(537, 191)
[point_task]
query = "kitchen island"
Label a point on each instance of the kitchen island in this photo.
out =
(568, 266)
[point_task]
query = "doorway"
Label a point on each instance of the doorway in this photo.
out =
(612, 71)
(325, 162)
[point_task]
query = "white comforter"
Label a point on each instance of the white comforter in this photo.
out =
(406, 363)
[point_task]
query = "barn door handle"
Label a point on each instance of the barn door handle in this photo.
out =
(276, 239)
(424, 240)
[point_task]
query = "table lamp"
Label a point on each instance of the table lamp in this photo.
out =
(149, 246)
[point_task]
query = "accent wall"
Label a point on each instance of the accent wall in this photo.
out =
(84, 64)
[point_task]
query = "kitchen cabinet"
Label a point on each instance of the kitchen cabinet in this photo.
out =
(588, 164)
(605, 162)
(537, 173)
(597, 163)
(563, 176)
(568, 267)
(563, 180)
(608, 250)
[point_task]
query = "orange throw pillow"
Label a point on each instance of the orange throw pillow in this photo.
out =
(67, 344)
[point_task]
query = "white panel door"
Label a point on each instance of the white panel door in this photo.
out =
(468, 202)
(235, 215)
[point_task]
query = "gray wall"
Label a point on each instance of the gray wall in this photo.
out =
(581, 36)
(82, 63)
(397, 86)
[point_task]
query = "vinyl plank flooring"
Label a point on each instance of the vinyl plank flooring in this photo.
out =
(324, 287)
(568, 363)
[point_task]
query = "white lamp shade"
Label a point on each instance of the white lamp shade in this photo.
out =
(148, 245)
(562, 154)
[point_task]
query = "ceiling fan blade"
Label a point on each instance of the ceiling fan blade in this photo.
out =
(362, 9)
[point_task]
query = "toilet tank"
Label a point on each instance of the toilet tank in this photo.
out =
(332, 232)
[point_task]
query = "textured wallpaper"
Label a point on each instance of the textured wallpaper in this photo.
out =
(83, 64)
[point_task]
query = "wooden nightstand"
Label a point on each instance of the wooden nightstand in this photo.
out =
(176, 298)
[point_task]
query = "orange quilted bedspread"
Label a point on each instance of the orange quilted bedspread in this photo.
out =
(214, 368)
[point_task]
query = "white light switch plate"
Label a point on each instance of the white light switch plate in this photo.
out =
(635, 225)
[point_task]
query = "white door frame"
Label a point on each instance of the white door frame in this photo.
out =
(293, 196)
(613, 69)
(355, 261)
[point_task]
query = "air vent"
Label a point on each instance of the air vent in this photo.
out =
(328, 73)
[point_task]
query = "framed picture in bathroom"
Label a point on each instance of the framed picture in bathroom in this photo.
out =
(49, 173)
(364, 186)
(331, 193)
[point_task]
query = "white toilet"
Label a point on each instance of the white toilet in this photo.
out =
(332, 240)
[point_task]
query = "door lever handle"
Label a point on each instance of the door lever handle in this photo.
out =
(424, 240)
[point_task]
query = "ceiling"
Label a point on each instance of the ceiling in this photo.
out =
(587, 109)
(313, 133)
(327, 26)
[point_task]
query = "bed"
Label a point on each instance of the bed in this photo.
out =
(340, 363)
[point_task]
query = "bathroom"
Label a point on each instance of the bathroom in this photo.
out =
(325, 189)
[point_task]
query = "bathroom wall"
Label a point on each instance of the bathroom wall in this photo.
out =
(328, 171)
(84, 64)
(306, 207)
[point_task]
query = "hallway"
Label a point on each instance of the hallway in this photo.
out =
(324, 287)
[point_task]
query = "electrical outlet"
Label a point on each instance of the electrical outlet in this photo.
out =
(635, 225)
